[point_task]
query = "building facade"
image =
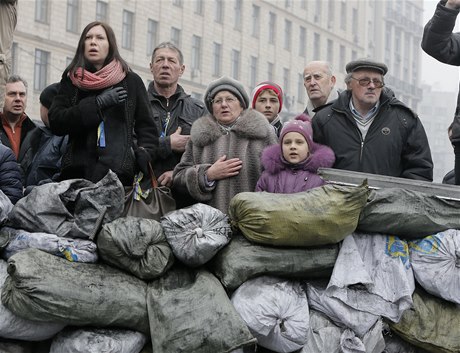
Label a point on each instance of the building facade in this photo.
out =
(252, 41)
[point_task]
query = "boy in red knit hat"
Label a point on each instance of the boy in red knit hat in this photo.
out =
(267, 98)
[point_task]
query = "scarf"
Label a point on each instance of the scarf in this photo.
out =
(109, 75)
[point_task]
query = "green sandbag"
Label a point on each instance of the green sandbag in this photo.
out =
(189, 311)
(408, 214)
(45, 287)
(241, 260)
(136, 245)
(433, 324)
(320, 216)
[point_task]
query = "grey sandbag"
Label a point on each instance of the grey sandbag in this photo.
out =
(196, 233)
(45, 287)
(73, 208)
(136, 245)
(432, 324)
(15, 327)
(98, 340)
(189, 311)
(320, 216)
(5, 207)
(408, 214)
(241, 260)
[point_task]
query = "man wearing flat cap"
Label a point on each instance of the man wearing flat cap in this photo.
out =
(370, 130)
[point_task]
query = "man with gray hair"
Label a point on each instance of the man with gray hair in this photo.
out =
(18, 131)
(174, 112)
(319, 83)
(370, 130)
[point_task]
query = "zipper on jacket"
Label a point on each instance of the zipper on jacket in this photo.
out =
(361, 151)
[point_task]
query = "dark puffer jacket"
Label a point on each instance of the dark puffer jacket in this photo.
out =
(282, 177)
(395, 145)
(74, 112)
(10, 175)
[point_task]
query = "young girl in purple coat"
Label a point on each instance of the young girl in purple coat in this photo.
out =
(292, 165)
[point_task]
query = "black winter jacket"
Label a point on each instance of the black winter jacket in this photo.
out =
(74, 112)
(395, 145)
(10, 175)
(185, 111)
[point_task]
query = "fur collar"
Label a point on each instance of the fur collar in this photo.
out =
(251, 125)
(321, 157)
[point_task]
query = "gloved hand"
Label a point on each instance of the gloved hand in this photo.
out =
(111, 96)
(143, 159)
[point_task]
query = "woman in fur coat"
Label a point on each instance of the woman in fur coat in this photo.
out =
(292, 165)
(222, 157)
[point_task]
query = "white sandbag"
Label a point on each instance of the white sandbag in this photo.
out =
(276, 312)
(78, 250)
(196, 233)
(15, 327)
(435, 261)
(5, 207)
(98, 340)
(340, 313)
(373, 274)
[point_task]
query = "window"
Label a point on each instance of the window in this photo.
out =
(354, 55)
(14, 59)
(270, 71)
(287, 3)
(331, 11)
(300, 89)
(316, 47)
(177, 3)
(388, 36)
(102, 11)
(238, 14)
(199, 7)
(343, 58)
(175, 36)
(235, 64)
(41, 11)
(127, 30)
(287, 34)
(343, 16)
(330, 51)
(253, 72)
(271, 28)
(354, 21)
(302, 41)
(318, 10)
(217, 58)
(255, 21)
(41, 69)
(152, 35)
(73, 8)
(286, 80)
(196, 54)
(219, 11)
(303, 4)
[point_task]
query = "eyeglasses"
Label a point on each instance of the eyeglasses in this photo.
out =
(227, 100)
(366, 81)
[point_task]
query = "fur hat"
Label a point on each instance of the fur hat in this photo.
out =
(48, 94)
(264, 86)
(226, 84)
(366, 64)
(302, 125)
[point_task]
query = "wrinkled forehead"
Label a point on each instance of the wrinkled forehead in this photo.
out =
(368, 73)
(15, 87)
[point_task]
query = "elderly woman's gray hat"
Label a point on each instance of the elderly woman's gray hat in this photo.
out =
(226, 84)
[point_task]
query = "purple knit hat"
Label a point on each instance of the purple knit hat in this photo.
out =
(302, 125)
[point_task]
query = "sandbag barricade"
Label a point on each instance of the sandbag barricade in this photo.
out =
(408, 214)
(432, 324)
(196, 233)
(190, 311)
(18, 328)
(323, 215)
(136, 245)
(242, 260)
(97, 340)
(73, 208)
(276, 312)
(45, 287)
(78, 250)
(435, 261)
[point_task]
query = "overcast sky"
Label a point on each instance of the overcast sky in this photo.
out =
(441, 76)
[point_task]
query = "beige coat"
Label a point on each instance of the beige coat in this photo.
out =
(246, 140)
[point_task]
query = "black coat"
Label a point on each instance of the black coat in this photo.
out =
(74, 112)
(10, 175)
(395, 145)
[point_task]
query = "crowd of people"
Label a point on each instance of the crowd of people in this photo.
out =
(100, 117)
